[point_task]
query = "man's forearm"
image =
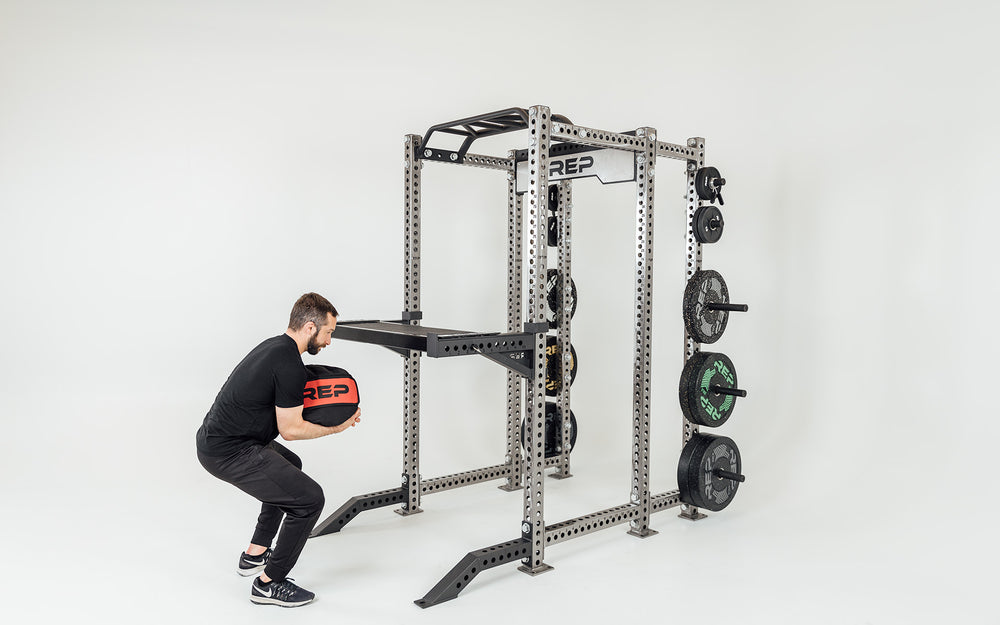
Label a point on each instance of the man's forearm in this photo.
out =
(305, 430)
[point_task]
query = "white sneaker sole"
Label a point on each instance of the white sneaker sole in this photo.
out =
(249, 572)
(278, 602)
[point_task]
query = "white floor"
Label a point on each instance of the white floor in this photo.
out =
(130, 552)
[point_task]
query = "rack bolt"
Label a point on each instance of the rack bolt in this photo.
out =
(640, 133)
(583, 133)
(525, 527)
(651, 172)
(640, 159)
(405, 479)
(406, 164)
(652, 136)
(427, 153)
(691, 143)
(692, 167)
(510, 176)
(454, 156)
(406, 139)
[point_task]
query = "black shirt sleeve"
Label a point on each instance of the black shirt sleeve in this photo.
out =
(289, 382)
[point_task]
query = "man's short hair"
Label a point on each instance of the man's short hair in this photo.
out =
(310, 307)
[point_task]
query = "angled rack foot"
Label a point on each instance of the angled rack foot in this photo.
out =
(356, 505)
(471, 565)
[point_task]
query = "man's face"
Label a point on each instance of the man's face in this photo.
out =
(321, 335)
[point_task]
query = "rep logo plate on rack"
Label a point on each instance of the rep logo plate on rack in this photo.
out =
(606, 165)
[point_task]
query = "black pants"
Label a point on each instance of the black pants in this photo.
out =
(273, 475)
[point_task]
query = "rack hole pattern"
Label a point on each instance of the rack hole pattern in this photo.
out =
(461, 479)
(597, 135)
(488, 347)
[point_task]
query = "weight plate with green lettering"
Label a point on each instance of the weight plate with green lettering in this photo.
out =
(708, 389)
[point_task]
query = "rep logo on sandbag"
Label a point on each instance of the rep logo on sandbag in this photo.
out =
(330, 396)
(316, 392)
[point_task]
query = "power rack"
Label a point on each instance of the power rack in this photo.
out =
(557, 152)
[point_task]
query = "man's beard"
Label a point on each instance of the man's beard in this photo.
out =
(313, 347)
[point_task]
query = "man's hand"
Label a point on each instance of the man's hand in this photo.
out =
(354, 420)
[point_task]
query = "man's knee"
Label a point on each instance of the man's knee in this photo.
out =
(313, 499)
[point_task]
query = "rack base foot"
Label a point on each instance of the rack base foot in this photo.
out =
(471, 565)
(510, 487)
(646, 533)
(560, 476)
(356, 505)
(408, 512)
(538, 570)
(692, 514)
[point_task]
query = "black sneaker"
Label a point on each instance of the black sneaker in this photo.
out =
(283, 593)
(251, 565)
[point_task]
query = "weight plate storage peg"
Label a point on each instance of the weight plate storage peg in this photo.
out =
(553, 421)
(708, 224)
(708, 389)
(706, 306)
(709, 472)
(553, 366)
(708, 183)
(554, 296)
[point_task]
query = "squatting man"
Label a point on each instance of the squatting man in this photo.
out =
(236, 443)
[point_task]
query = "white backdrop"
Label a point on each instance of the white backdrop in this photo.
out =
(174, 175)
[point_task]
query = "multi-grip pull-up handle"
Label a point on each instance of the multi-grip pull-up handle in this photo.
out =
(472, 128)
(476, 127)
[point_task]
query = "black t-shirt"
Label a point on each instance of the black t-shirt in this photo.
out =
(243, 413)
